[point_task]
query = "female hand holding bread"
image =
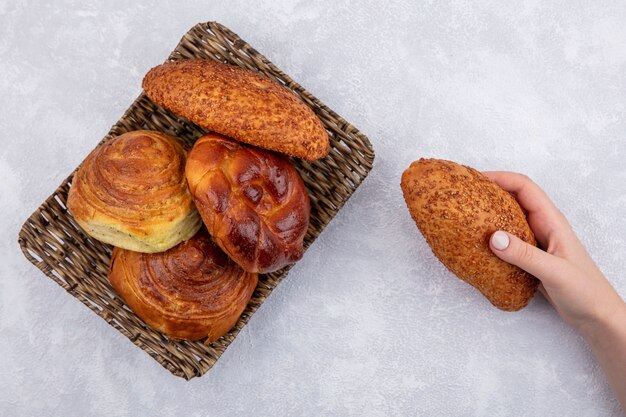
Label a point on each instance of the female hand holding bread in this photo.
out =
(570, 279)
(485, 228)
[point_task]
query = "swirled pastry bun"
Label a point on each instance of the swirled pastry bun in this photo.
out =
(252, 201)
(190, 292)
(131, 192)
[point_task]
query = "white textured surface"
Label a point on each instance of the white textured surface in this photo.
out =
(368, 323)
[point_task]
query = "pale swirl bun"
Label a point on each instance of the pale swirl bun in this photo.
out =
(191, 291)
(131, 192)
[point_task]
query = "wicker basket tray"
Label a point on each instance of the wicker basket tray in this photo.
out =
(53, 242)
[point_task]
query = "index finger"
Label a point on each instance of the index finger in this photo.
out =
(529, 195)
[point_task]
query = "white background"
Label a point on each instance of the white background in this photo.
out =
(369, 322)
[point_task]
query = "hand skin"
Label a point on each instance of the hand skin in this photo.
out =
(570, 280)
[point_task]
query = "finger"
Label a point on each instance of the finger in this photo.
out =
(528, 194)
(532, 199)
(548, 268)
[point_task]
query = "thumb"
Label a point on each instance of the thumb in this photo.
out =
(530, 258)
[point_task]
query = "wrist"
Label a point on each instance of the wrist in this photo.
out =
(610, 318)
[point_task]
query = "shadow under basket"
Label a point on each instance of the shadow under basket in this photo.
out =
(54, 242)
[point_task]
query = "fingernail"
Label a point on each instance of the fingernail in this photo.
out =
(500, 240)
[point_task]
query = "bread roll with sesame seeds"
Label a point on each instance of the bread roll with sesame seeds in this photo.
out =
(240, 104)
(457, 209)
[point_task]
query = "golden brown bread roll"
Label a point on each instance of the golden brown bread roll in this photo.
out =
(457, 209)
(131, 192)
(189, 292)
(240, 104)
(253, 202)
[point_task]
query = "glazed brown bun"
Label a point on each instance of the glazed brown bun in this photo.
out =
(190, 292)
(131, 192)
(252, 201)
(240, 104)
(457, 209)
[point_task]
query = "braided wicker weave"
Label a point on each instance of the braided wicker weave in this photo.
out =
(53, 242)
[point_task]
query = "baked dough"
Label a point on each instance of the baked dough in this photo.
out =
(253, 202)
(240, 104)
(131, 192)
(191, 291)
(457, 209)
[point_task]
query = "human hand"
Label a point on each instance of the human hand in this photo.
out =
(570, 280)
